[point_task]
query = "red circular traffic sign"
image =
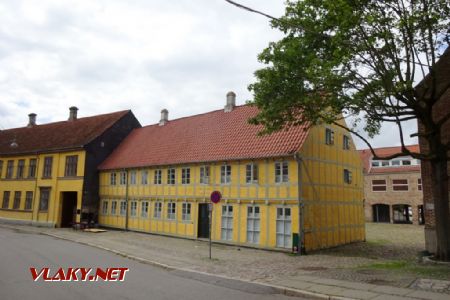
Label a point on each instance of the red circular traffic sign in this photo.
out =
(215, 197)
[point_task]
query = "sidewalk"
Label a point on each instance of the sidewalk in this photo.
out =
(313, 276)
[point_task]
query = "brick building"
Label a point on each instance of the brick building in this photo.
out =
(392, 188)
(440, 109)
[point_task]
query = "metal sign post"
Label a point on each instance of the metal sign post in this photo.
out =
(215, 198)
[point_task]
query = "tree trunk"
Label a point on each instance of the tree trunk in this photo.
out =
(440, 194)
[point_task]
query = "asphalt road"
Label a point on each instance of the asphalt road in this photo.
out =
(19, 251)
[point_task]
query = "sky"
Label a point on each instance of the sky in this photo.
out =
(143, 55)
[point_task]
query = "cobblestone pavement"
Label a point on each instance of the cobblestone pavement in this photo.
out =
(354, 263)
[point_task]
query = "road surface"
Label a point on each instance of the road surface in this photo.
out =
(19, 251)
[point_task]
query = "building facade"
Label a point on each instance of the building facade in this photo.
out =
(392, 188)
(48, 172)
(302, 181)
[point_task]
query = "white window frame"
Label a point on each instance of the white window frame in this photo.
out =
(133, 208)
(123, 208)
(133, 177)
(329, 136)
(251, 173)
(171, 211)
(157, 213)
(186, 211)
(123, 178)
(225, 174)
(379, 184)
(205, 172)
(114, 207)
(144, 177)
(186, 175)
(345, 142)
(226, 226)
(253, 224)
(157, 179)
(112, 178)
(400, 184)
(281, 171)
(144, 209)
(105, 207)
(171, 176)
(284, 221)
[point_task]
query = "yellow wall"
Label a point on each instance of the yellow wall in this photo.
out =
(333, 209)
(57, 183)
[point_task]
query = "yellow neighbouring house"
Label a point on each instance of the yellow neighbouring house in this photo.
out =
(301, 184)
(48, 172)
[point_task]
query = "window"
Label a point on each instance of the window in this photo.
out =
(113, 207)
(133, 208)
(47, 172)
(225, 174)
(5, 203)
(347, 176)
(158, 210)
(345, 142)
(186, 211)
(185, 176)
(375, 163)
(71, 165)
(32, 168)
(112, 178)
(10, 169)
(20, 168)
(123, 178)
(133, 177)
(379, 185)
(1, 168)
(171, 176)
(44, 199)
(406, 162)
(419, 184)
(29, 201)
(158, 177)
(144, 177)
(227, 223)
(171, 210)
(251, 173)
(123, 208)
(329, 136)
(105, 207)
(283, 227)
(144, 209)
(204, 174)
(395, 163)
(16, 203)
(400, 184)
(281, 172)
(253, 224)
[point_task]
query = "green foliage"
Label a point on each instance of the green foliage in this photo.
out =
(356, 57)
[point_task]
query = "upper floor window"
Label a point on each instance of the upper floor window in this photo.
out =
(204, 174)
(400, 184)
(71, 165)
(20, 168)
(112, 178)
(378, 185)
(281, 171)
(419, 184)
(347, 176)
(158, 177)
(1, 168)
(123, 178)
(185, 176)
(225, 174)
(133, 177)
(171, 176)
(251, 173)
(48, 162)
(345, 142)
(32, 168)
(144, 177)
(10, 169)
(329, 136)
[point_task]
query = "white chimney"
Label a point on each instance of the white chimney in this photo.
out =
(164, 117)
(73, 113)
(31, 120)
(231, 101)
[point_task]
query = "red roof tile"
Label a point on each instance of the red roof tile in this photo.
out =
(366, 156)
(56, 136)
(213, 136)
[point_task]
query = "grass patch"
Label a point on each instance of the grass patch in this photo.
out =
(413, 268)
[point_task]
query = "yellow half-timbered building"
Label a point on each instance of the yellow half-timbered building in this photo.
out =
(299, 187)
(48, 172)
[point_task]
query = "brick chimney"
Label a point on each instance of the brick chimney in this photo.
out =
(73, 113)
(164, 117)
(31, 120)
(231, 101)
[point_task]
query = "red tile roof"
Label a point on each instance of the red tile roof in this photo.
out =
(57, 136)
(213, 136)
(366, 156)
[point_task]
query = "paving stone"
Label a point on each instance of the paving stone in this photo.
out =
(385, 289)
(326, 289)
(357, 294)
(297, 284)
(428, 295)
(390, 297)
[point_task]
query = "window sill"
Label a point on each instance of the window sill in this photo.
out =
(16, 209)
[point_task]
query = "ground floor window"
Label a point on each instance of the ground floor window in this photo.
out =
(28, 200)
(133, 208)
(421, 214)
(227, 223)
(253, 224)
(158, 210)
(123, 208)
(5, 203)
(381, 213)
(44, 199)
(402, 213)
(113, 207)
(186, 211)
(144, 209)
(284, 227)
(105, 207)
(16, 203)
(171, 210)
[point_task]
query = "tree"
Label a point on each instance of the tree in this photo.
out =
(361, 58)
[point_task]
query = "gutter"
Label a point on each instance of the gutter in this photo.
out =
(301, 206)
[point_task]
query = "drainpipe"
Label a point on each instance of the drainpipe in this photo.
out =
(301, 227)
(35, 191)
(126, 200)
